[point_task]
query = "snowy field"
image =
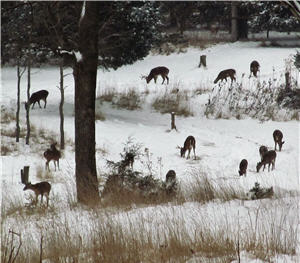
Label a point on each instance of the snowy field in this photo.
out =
(220, 146)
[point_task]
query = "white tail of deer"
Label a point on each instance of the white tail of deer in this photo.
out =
(262, 150)
(42, 188)
(155, 72)
(189, 144)
(268, 158)
(277, 136)
(52, 154)
(254, 68)
(36, 97)
(224, 74)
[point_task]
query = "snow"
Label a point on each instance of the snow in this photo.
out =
(220, 143)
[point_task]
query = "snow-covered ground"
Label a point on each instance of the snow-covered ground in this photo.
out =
(220, 143)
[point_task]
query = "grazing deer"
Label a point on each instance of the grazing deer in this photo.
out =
(155, 72)
(52, 154)
(268, 158)
(189, 143)
(254, 67)
(36, 97)
(243, 167)
(224, 74)
(277, 135)
(129, 159)
(42, 188)
(262, 150)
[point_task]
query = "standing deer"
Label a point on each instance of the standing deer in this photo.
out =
(224, 74)
(277, 136)
(52, 154)
(254, 67)
(36, 97)
(189, 144)
(155, 72)
(262, 150)
(243, 167)
(42, 188)
(268, 158)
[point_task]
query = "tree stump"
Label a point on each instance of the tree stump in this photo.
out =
(202, 61)
(173, 126)
(25, 175)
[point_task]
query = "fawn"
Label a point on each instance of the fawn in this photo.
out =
(52, 154)
(243, 167)
(268, 158)
(36, 97)
(42, 188)
(254, 67)
(277, 136)
(155, 72)
(189, 144)
(224, 74)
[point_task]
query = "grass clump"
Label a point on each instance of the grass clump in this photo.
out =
(175, 101)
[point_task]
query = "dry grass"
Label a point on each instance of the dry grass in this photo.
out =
(174, 100)
(265, 233)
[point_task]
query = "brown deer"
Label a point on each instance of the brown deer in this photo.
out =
(277, 136)
(52, 154)
(254, 67)
(262, 150)
(42, 188)
(243, 167)
(36, 97)
(189, 144)
(155, 72)
(224, 74)
(268, 158)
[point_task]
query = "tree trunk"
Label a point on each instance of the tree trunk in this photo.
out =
(61, 106)
(18, 103)
(28, 96)
(85, 75)
(234, 23)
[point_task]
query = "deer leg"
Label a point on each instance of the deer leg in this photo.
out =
(167, 79)
(264, 167)
(163, 79)
(32, 105)
(58, 164)
(39, 104)
(155, 78)
(42, 198)
(188, 157)
(45, 104)
(275, 145)
(47, 198)
(194, 153)
(47, 166)
(54, 164)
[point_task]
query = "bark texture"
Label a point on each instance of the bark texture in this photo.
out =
(85, 75)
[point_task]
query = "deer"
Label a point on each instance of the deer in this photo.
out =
(277, 136)
(254, 67)
(224, 74)
(243, 167)
(36, 97)
(268, 158)
(42, 188)
(155, 72)
(189, 144)
(262, 150)
(52, 154)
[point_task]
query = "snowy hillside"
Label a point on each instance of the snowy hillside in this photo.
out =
(220, 146)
